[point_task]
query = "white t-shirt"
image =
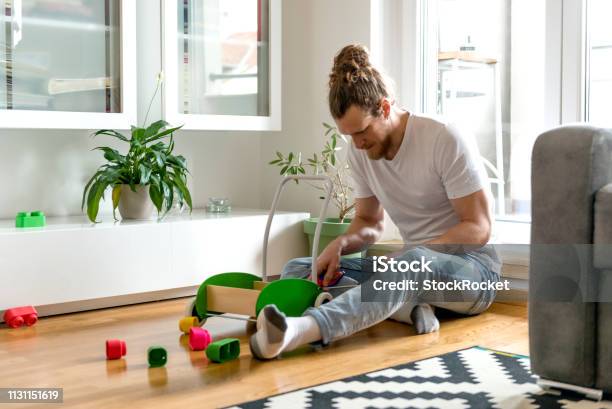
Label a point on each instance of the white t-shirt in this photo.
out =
(435, 163)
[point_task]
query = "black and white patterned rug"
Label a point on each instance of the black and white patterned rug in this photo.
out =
(470, 378)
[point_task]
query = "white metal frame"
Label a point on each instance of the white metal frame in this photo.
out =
(219, 122)
(574, 62)
(328, 185)
(33, 119)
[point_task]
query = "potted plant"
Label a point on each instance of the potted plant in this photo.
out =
(148, 175)
(324, 163)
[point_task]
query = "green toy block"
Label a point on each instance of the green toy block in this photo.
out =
(291, 295)
(224, 350)
(33, 219)
(157, 356)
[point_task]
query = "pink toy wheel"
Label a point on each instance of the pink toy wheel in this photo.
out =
(199, 338)
(115, 349)
(30, 319)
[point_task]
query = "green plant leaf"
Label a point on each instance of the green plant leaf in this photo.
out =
(183, 189)
(145, 173)
(156, 196)
(159, 146)
(112, 133)
(110, 154)
(168, 194)
(178, 161)
(94, 177)
(162, 134)
(93, 199)
(160, 158)
(116, 196)
(137, 134)
(284, 170)
(154, 128)
(170, 145)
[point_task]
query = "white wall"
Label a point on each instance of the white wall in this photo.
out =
(313, 31)
(47, 170)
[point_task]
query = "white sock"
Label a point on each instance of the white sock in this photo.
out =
(421, 316)
(424, 319)
(277, 333)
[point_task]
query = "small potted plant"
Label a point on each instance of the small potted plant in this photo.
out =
(324, 163)
(148, 175)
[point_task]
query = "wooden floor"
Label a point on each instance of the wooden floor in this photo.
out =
(68, 351)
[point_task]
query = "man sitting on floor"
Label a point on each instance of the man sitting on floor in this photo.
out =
(432, 183)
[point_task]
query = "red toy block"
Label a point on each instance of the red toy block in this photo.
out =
(337, 276)
(16, 317)
(199, 338)
(115, 349)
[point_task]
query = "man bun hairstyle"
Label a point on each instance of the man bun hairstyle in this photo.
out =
(354, 81)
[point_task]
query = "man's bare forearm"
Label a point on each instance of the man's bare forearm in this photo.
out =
(465, 235)
(360, 234)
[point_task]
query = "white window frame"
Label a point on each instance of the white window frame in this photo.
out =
(219, 122)
(574, 62)
(565, 73)
(35, 119)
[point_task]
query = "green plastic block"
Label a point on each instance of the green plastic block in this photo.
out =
(224, 350)
(33, 219)
(291, 295)
(157, 356)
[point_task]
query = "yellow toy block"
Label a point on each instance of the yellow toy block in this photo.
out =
(187, 322)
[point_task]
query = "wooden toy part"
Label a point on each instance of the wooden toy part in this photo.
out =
(234, 280)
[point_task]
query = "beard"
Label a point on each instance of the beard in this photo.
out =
(379, 149)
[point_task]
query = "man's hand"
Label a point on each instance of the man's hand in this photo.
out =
(328, 261)
(366, 227)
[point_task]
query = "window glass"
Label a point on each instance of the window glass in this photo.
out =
(488, 77)
(223, 57)
(60, 55)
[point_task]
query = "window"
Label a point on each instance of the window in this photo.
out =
(59, 58)
(223, 63)
(599, 62)
(484, 68)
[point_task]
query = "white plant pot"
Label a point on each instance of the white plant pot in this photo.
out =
(135, 205)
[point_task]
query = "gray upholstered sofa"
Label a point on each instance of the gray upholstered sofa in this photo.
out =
(570, 285)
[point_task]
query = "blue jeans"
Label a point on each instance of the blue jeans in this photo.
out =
(347, 314)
